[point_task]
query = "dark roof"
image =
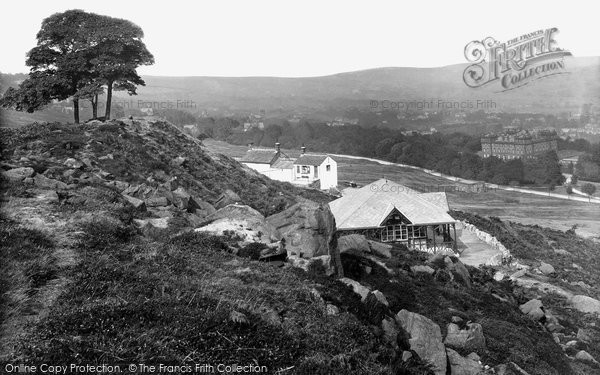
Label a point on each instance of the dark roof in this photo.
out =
(259, 156)
(308, 159)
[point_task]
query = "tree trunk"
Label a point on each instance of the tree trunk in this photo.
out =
(94, 101)
(76, 110)
(108, 99)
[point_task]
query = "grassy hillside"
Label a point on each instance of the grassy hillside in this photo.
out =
(80, 283)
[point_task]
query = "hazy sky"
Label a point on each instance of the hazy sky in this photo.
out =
(306, 37)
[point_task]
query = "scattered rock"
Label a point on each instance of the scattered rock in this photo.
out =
(162, 222)
(585, 304)
(136, 203)
(546, 268)
(425, 338)
(332, 309)
(184, 201)
(380, 297)
(357, 287)
(73, 163)
(157, 202)
(422, 269)
(355, 244)
(534, 309)
(509, 368)
(380, 249)
(49, 195)
(18, 174)
(406, 355)
(462, 366)
(228, 197)
(499, 276)
(456, 319)
(584, 356)
(48, 183)
(470, 338)
(518, 274)
(585, 335)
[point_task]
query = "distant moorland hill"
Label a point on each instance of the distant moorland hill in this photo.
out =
(330, 94)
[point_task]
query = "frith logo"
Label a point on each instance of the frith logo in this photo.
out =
(514, 63)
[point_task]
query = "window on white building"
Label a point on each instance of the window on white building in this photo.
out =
(328, 167)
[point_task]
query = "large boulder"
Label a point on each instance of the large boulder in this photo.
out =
(241, 220)
(470, 338)
(425, 338)
(460, 365)
(382, 250)
(355, 244)
(308, 229)
(18, 174)
(585, 304)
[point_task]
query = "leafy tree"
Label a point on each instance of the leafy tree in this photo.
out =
(574, 179)
(569, 189)
(76, 53)
(116, 52)
(588, 189)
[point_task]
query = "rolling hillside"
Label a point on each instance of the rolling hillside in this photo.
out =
(328, 94)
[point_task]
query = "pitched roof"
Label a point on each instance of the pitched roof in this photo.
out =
(310, 159)
(264, 156)
(368, 206)
(283, 163)
(438, 199)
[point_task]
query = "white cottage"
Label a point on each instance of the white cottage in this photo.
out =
(308, 169)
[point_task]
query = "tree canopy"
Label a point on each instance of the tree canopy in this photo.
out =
(77, 53)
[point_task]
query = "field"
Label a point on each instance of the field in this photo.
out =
(524, 208)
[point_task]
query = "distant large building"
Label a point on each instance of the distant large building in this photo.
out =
(308, 169)
(518, 144)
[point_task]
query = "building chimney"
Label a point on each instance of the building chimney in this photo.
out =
(303, 150)
(278, 147)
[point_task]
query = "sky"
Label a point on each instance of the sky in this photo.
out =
(308, 37)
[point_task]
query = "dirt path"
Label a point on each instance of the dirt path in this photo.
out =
(474, 251)
(41, 214)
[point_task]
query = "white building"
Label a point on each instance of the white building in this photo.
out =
(308, 169)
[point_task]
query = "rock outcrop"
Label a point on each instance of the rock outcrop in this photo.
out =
(308, 229)
(242, 221)
(425, 338)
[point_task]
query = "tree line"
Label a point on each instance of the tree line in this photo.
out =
(453, 154)
(80, 56)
